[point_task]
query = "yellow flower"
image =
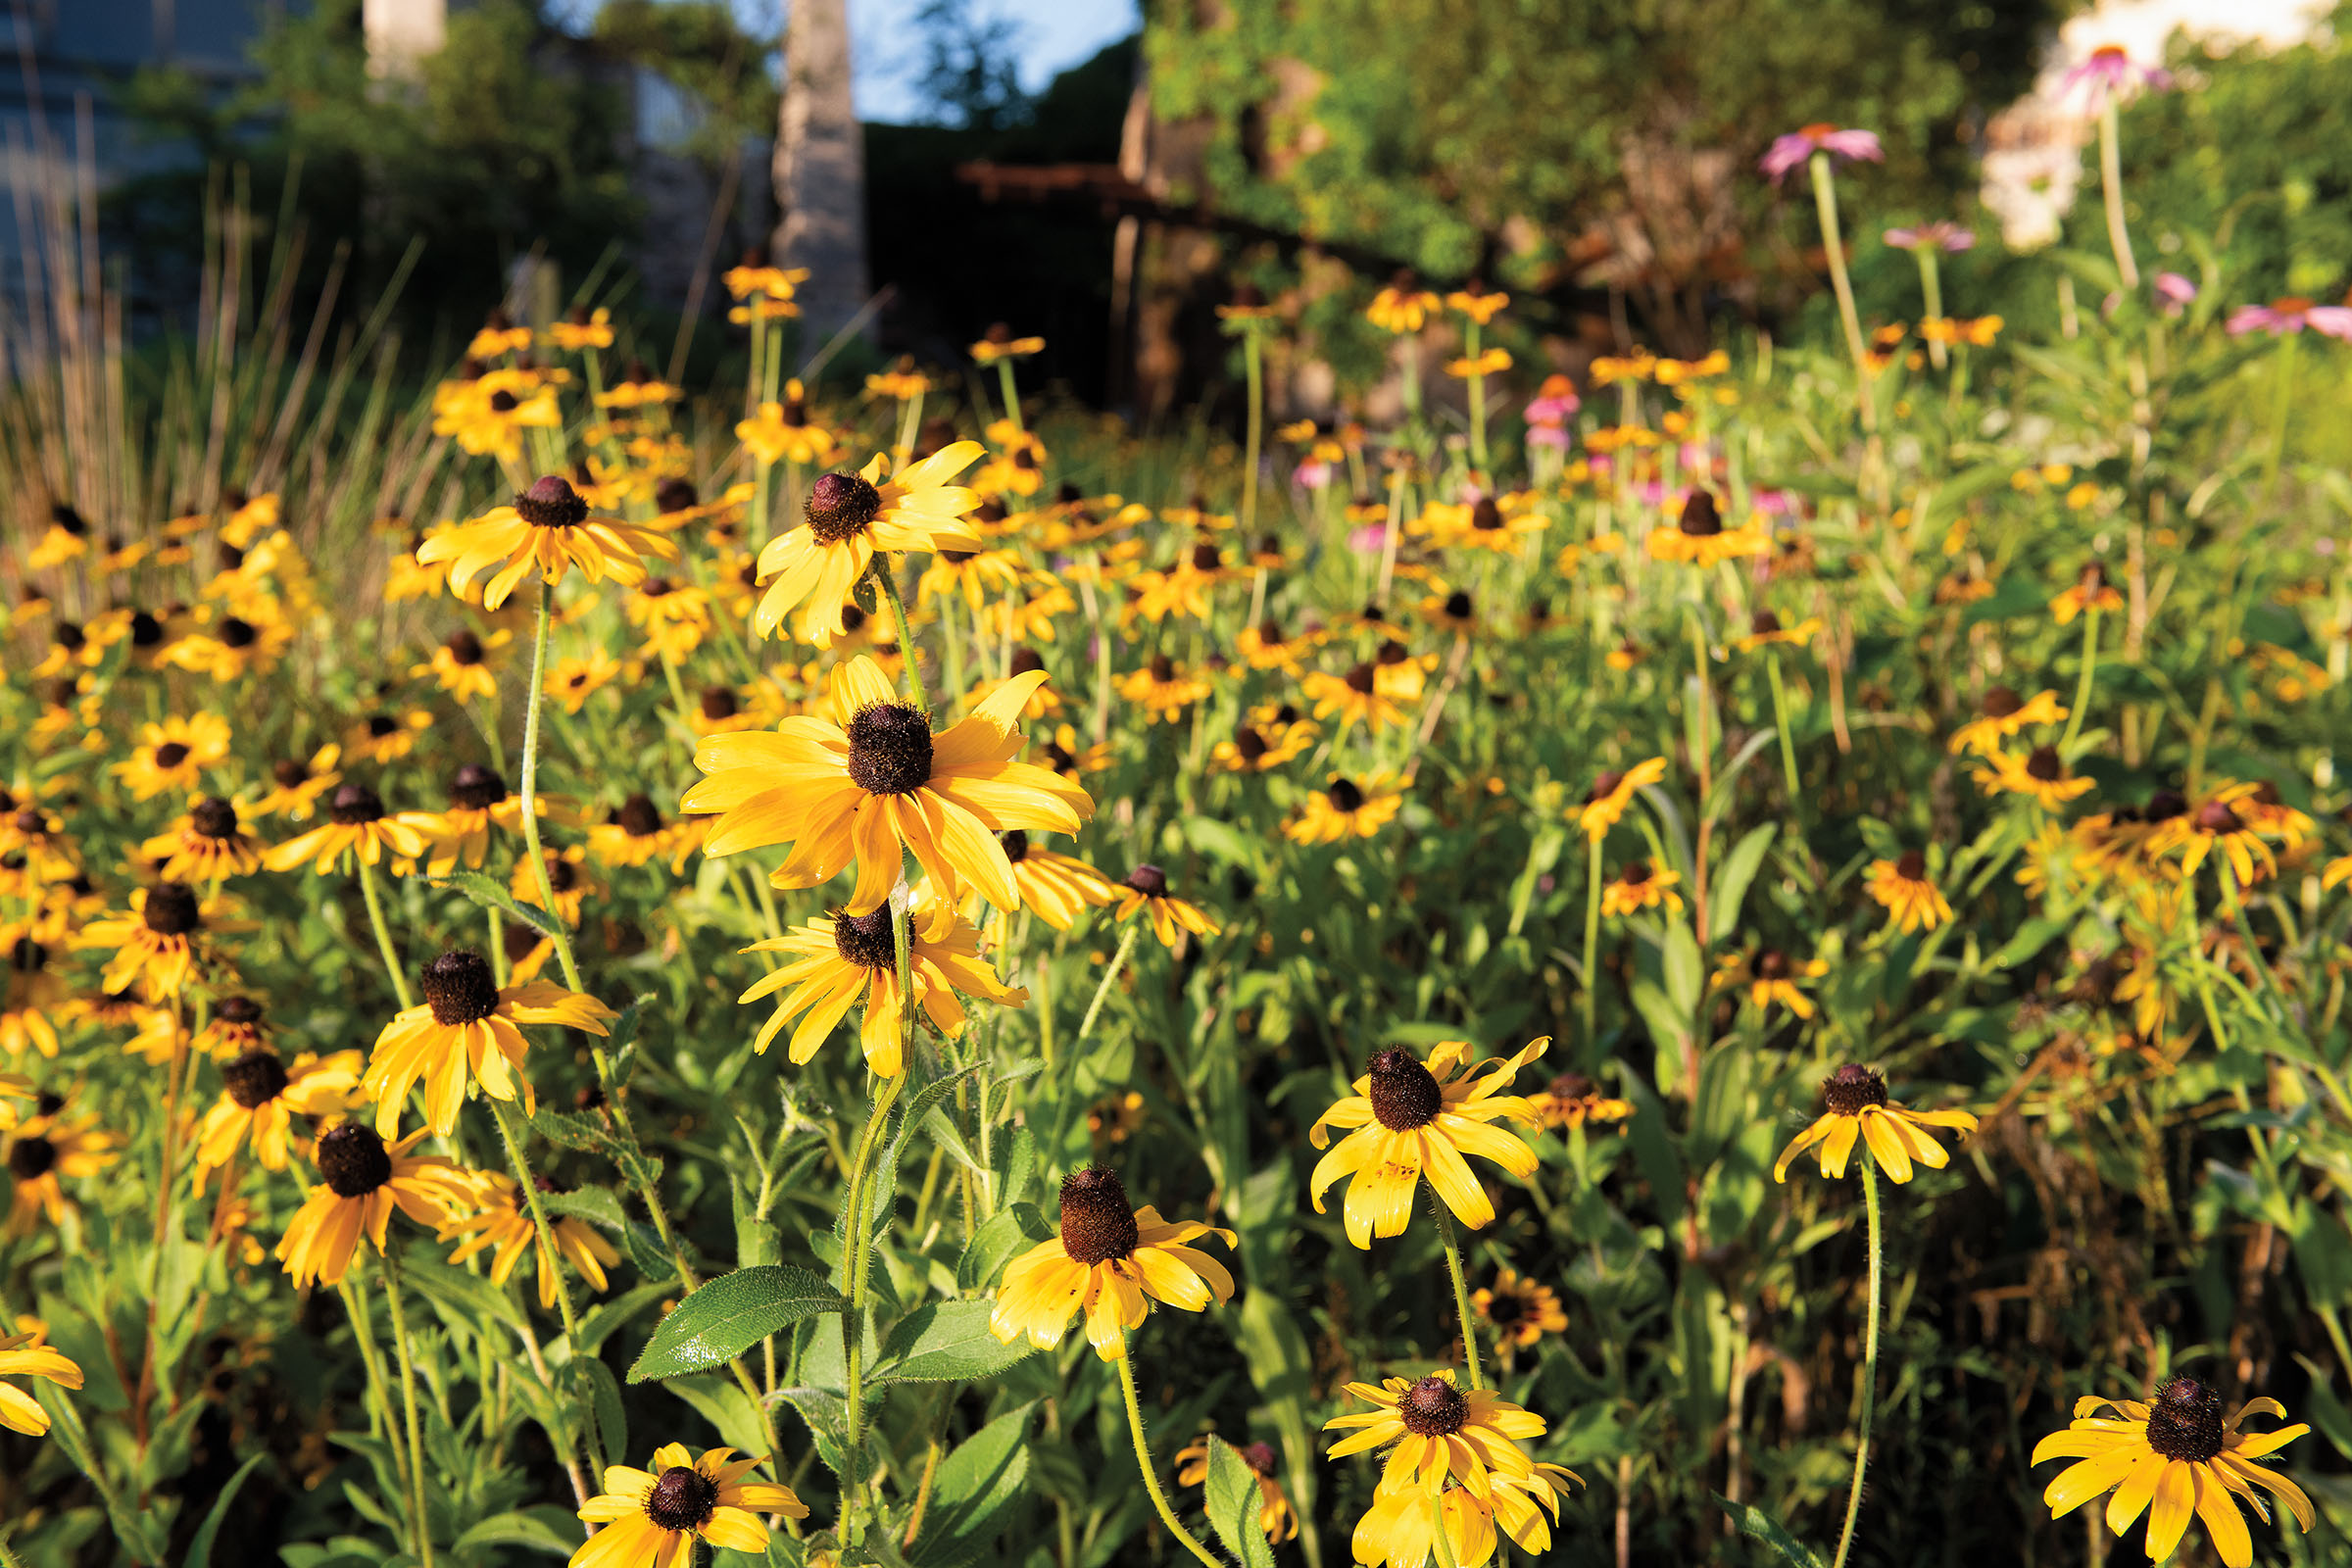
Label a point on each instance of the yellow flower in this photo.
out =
(547, 526)
(295, 784)
(2041, 776)
(2216, 827)
(583, 329)
(203, 845)
(1771, 977)
(23, 1355)
(464, 665)
(362, 1180)
(1145, 888)
(2003, 716)
(387, 737)
(1410, 1117)
(1491, 361)
(1001, 344)
(1402, 307)
(43, 1150)
(1162, 688)
(874, 780)
(1902, 887)
(174, 755)
(155, 943)
(2090, 593)
(572, 681)
(784, 431)
(1641, 886)
(1440, 1434)
(1347, 810)
(652, 1519)
(1612, 792)
(466, 1024)
(1520, 1311)
(850, 517)
(1396, 1530)
(1764, 628)
(502, 1226)
(498, 336)
(1858, 1109)
(356, 821)
(29, 991)
(1275, 1516)
(1110, 1261)
(1572, 1099)
(1700, 537)
(841, 958)
(1476, 304)
(261, 1095)
(2174, 1456)
(1057, 887)
(757, 276)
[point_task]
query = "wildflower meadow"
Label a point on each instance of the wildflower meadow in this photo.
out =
(1734, 959)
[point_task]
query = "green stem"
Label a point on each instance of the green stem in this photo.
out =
(1824, 203)
(1591, 934)
(2111, 187)
(1143, 1459)
(1440, 1541)
(2281, 406)
(2091, 665)
(1012, 398)
(408, 1394)
(1109, 977)
(504, 1110)
(362, 1334)
(1478, 401)
(531, 790)
(1930, 291)
(897, 613)
(1870, 1363)
(1461, 1287)
(383, 933)
(1780, 719)
(853, 1321)
(1254, 367)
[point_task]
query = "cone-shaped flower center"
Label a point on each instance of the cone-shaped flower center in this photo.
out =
(28, 956)
(460, 987)
(381, 725)
(1763, 624)
(214, 818)
(2164, 806)
(890, 749)
(1699, 517)
(1569, 1086)
(676, 495)
(1149, 880)
(289, 772)
(1772, 964)
(2216, 816)
(170, 910)
(2000, 703)
(1359, 680)
(719, 703)
(170, 755)
(1260, 1458)
(1637, 873)
(465, 647)
(353, 1160)
(1850, 1088)
(255, 1079)
(1505, 1309)
(1405, 1095)
(1249, 744)
(1015, 844)
(477, 788)
(354, 804)
(237, 632)
(1098, 1223)
(1604, 786)
(30, 1158)
(1912, 866)
(1164, 669)
(239, 1010)
(2184, 1422)
(1484, 515)
(552, 503)
(1205, 557)
(841, 505)
(1433, 1408)
(1346, 795)
(867, 939)
(2044, 765)
(682, 1500)
(1457, 605)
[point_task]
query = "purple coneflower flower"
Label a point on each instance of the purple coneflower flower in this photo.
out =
(1313, 474)
(2282, 316)
(1936, 236)
(1556, 409)
(2174, 292)
(1792, 150)
(2110, 70)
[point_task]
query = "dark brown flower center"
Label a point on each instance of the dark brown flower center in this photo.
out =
(1772, 964)
(1637, 873)
(1392, 653)
(1250, 744)
(2164, 806)
(145, 630)
(1763, 624)
(460, 987)
(465, 647)
(381, 725)
(214, 818)
(2044, 765)
(28, 956)
(890, 749)
(1015, 843)
(868, 941)
(1149, 880)
(1164, 669)
(552, 503)
(676, 495)
(236, 632)
(353, 1160)
(682, 1500)
(354, 804)
(2216, 816)
(1912, 867)
(1457, 605)
(1569, 1086)
(562, 875)
(841, 505)
(255, 1079)
(1098, 1223)
(1359, 680)
(638, 816)
(1205, 557)
(1432, 1407)
(1405, 1095)
(240, 1010)
(1851, 1088)
(289, 772)
(170, 755)
(30, 1158)
(1484, 515)
(477, 788)
(1505, 1309)
(719, 703)
(2001, 702)
(1346, 795)
(1260, 1458)
(1699, 517)
(170, 910)
(2185, 1421)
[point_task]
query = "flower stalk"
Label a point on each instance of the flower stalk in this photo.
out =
(1870, 1359)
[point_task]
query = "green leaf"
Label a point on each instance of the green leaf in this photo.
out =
(1002, 1234)
(515, 1530)
(974, 1487)
(1233, 1505)
(470, 1298)
(598, 1206)
(1757, 1525)
(594, 1387)
(1686, 971)
(1732, 881)
(568, 1131)
(945, 1341)
(757, 1243)
(717, 1322)
(200, 1544)
(491, 893)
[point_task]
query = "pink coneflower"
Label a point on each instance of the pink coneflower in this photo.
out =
(2282, 318)
(1312, 474)
(1552, 409)
(1936, 236)
(1792, 150)
(2174, 292)
(2110, 71)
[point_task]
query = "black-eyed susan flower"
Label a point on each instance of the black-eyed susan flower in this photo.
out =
(2041, 776)
(1404, 307)
(23, 1355)
(155, 943)
(2215, 828)
(1700, 537)
(387, 736)
(15, 1092)
(296, 785)
(2002, 717)
(547, 526)
(501, 1225)
(875, 781)
(847, 520)
(1265, 743)
(1519, 1310)
(1412, 1119)
(1572, 1099)
(465, 664)
(634, 833)
(1764, 630)
(1267, 646)
(174, 755)
(236, 1026)
(1641, 886)
(572, 681)
(653, 1519)
(1110, 1261)
(29, 992)
(567, 880)
(2091, 591)
(1398, 1530)
(1360, 696)
(206, 845)
(1856, 1108)
(1344, 809)
(45, 1150)
(357, 822)
(2178, 1455)
(1145, 890)
(843, 958)
(1162, 688)
(1770, 975)
(261, 1095)
(1613, 793)
(1436, 1432)
(1901, 886)
(362, 1179)
(468, 1025)
(1275, 1516)
(1057, 887)
(478, 801)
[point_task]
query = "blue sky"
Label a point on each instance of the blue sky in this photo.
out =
(1054, 34)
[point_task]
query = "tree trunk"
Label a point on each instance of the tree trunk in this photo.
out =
(820, 170)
